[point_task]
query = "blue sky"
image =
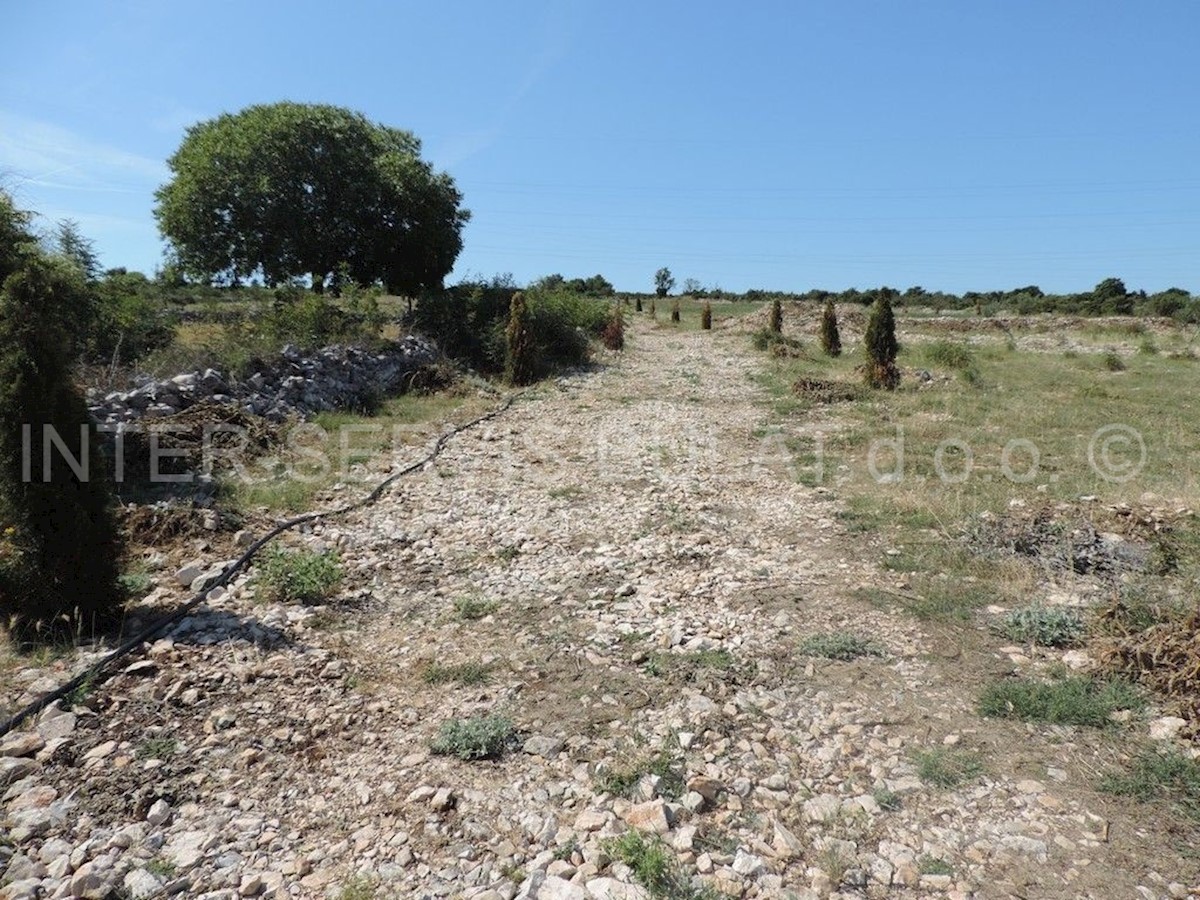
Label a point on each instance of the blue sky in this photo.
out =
(954, 145)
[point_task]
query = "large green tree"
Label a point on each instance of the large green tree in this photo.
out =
(287, 190)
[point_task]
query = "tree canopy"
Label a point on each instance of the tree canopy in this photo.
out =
(289, 189)
(664, 281)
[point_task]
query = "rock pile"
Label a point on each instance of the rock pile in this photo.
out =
(295, 384)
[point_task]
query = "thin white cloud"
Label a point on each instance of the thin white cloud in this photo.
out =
(50, 157)
(560, 28)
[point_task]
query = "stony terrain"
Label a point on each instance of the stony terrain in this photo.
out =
(294, 384)
(635, 570)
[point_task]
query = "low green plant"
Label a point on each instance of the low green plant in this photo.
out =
(360, 887)
(654, 867)
(475, 738)
(471, 609)
(466, 674)
(840, 645)
(690, 666)
(136, 584)
(888, 801)
(944, 599)
(567, 850)
(949, 355)
(620, 781)
(945, 767)
(1047, 626)
(932, 865)
(78, 694)
(1166, 776)
(834, 862)
(303, 576)
(1112, 361)
(766, 339)
(160, 867)
(157, 748)
(1073, 700)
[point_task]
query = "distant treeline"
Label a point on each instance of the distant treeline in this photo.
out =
(1109, 298)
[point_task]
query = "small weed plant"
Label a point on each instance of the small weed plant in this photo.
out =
(1073, 700)
(1046, 626)
(839, 645)
(946, 767)
(475, 738)
(303, 576)
(1156, 775)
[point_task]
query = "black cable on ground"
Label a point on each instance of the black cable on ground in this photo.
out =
(96, 670)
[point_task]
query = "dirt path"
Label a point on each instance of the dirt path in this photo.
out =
(624, 565)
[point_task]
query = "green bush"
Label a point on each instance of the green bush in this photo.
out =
(831, 339)
(1112, 361)
(311, 321)
(1051, 626)
(766, 339)
(479, 737)
(882, 347)
(303, 576)
(469, 323)
(128, 318)
(613, 334)
(1075, 700)
(58, 536)
(775, 320)
(840, 645)
(518, 343)
(949, 355)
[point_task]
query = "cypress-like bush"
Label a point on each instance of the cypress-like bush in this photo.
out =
(519, 357)
(831, 339)
(58, 538)
(775, 323)
(882, 347)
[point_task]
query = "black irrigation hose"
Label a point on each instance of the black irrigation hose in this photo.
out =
(92, 673)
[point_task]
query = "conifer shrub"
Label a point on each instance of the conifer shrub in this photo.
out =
(775, 322)
(675, 311)
(519, 356)
(638, 307)
(831, 339)
(58, 536)
(881, 347)
(706, 316)
(613, 334)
